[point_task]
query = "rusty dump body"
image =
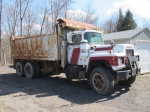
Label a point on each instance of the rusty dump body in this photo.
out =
(43, 47)
(37, 48)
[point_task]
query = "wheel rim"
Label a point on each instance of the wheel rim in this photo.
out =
(99, 81)
(19, 69)
(28, 71)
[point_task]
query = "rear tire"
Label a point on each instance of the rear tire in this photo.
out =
(20, 69)
(38, 69)
(129, 81)
(101, 81)
(30, 70)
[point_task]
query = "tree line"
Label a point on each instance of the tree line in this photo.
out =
(126, 22)
(22, 17)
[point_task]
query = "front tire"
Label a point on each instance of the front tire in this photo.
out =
(101, 81)
(30, 70)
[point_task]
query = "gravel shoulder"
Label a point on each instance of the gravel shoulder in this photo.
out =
(56, 94)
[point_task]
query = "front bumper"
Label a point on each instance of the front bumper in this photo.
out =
(128, 73)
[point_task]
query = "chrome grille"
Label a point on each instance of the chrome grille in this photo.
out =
(129, 52)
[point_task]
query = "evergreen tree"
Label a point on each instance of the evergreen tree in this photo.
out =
(120, 21)
(128, 21)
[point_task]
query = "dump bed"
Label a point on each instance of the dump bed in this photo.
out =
(43, 47)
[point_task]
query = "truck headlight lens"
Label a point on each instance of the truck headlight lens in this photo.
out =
(120, 60)
(137, 58)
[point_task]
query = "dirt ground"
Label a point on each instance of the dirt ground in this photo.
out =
(56, 94)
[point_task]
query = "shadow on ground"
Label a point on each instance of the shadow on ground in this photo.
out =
(76, 91)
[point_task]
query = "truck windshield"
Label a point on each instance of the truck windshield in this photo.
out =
(93, 38)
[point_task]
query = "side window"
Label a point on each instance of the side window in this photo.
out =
(76, 39)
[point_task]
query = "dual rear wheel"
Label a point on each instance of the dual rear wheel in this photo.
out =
(30, 69)
(20, 69)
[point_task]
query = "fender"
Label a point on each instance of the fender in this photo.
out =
(112, 60)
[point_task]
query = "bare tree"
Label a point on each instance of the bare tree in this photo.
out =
(23, 5)
(3, 51)
(0, 25)
(43, 20)
(13, 22)
(11, 19)
(90, 17)
(145, 23)
(86, 15)
(4, 42)
(110, 25)
(56, 9)
(15, 13)
(67, 6)
(30, 21)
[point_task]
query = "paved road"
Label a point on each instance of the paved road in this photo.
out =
(56, 94)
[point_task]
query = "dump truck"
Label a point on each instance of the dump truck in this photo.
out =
(78, 50)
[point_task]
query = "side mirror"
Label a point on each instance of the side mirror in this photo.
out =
(69, 37)
(83, 41)
(112, 43)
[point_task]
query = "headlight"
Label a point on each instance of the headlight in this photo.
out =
(137, 63)
(120, 60)
(137, 58)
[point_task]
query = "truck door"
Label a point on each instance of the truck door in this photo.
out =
(74, 49)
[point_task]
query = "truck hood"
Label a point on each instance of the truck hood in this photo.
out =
(117, 50)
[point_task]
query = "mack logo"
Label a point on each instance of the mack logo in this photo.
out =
(129, 47)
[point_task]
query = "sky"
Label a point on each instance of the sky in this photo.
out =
(107, 7)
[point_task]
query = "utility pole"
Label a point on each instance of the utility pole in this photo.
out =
(0, 29)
